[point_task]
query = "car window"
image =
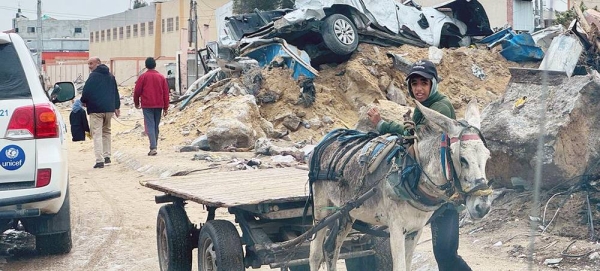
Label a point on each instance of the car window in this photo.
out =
(13, 83)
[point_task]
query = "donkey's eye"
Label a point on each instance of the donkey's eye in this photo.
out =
(464, 162)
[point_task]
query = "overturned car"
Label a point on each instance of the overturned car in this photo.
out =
(323, 26)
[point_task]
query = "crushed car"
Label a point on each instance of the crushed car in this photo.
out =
(323, 26)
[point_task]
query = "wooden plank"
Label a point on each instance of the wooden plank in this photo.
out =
(235, 188)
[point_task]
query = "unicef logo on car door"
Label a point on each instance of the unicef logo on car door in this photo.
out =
(12, 157)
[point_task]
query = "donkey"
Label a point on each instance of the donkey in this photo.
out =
(405, 218)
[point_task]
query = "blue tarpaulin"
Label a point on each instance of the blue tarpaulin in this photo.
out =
(293, 58)
(515, 47)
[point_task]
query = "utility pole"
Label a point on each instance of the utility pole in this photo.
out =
(39, 46)
(193, 33)
(196, 39)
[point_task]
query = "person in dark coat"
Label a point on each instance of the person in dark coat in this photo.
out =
(79, 122)
(101, 97)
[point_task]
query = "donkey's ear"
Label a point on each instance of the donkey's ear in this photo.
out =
(472, 115)
(447, 124)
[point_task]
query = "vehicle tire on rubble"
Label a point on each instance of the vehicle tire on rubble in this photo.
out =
(339, 34)
(173, 238)
(381, 261)
(220, 247)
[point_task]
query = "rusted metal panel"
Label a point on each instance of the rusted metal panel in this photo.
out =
(235, 188)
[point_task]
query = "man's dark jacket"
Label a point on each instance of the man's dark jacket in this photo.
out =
(100, 92)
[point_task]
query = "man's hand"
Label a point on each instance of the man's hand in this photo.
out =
(374, 116)
(165, 112)
(117, 112)
(138, 106)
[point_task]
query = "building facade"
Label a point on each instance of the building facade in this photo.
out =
(160, 30)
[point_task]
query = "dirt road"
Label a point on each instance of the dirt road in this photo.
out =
(114, 218)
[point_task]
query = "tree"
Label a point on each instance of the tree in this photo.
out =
(139, 3)
(248, 6)
(566, 17)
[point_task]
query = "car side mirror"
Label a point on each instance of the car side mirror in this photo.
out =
(62, 92)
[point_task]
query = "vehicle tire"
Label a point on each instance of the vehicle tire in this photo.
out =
(220, 247)
(381, 261)
(56, 242)
(339, 34)
(173, 239)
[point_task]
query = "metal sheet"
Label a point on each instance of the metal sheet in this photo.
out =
(563, 54)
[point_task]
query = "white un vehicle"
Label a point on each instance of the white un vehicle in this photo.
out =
(34, 178)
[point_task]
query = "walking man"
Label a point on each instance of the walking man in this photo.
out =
(152, 95)
(101, 97)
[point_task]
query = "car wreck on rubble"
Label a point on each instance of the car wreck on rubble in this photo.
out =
(320, 27)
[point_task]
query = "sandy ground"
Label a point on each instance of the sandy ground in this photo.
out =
(114, 217)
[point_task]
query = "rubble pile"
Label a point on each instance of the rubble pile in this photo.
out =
(235, 112)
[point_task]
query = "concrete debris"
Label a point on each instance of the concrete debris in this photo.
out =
(189, 149)
(478, 71)
(202, 143)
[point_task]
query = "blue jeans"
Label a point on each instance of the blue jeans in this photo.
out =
(151, 122)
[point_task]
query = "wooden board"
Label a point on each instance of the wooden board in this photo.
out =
(235, 188)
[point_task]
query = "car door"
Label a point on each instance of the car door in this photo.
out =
(17, 144)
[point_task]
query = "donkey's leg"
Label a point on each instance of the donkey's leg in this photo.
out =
(410, 245)
(320, 202)
(331, 257)
(397, 245)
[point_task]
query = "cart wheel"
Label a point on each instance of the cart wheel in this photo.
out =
(220, 247)
(381, 261)
(173, 239)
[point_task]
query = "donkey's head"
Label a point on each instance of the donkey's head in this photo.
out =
(469, 156)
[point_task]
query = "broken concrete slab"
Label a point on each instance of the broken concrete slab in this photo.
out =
(572, 128)
(236, 122)
(563, 54)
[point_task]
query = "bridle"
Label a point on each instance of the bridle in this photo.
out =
(448, 168)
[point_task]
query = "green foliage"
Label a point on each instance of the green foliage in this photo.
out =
(248, 6)
(139, 4)
(566, 17)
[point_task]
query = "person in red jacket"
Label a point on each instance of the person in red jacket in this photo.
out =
(152, 95)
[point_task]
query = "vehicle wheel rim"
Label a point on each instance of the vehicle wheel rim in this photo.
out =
(209, 257)
(344, 31)
(163, 248)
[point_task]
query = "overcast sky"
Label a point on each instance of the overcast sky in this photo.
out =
(60, 9)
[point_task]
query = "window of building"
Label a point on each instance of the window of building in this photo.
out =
(102, 36)
(121, 33)
(78, 30)
(163, 26)
(114, 33)
(91, 37)
(150, 28)
(177, 23)
(135, 30)
(31, 29)
(128, 31)
(142, 29)
(107, 34)
(97, 36)
(170, 25)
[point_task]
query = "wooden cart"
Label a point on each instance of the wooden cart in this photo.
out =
(268, 205)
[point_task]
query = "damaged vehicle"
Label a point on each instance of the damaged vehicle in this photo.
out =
(323, 26)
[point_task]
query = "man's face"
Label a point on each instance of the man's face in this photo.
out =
(92, 64)
(421, 87)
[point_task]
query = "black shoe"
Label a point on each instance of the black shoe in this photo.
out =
(99, 165)
(107, 160)
(152, 152)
